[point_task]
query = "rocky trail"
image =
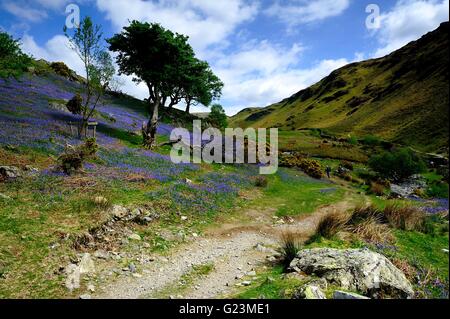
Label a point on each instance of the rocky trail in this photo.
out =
(231, 256)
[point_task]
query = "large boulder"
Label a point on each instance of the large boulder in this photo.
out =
(360, 270)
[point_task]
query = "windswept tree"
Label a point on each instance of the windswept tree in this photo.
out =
(202, 86)
(165, 62)
(87, 42)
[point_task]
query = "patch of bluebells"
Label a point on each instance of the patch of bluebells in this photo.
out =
(146, 163)
(434, 288)
(432, 207)
(196, 198)
(229, 181)
(27, 119)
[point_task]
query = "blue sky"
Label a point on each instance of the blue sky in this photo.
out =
(263, 50)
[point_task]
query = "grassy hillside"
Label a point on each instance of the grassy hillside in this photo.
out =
(402, 97)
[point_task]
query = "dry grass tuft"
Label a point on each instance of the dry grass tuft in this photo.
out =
(372, 231)
(331, 224)
(290, 246)
(405, 218)
(372, 224)
(377, 189)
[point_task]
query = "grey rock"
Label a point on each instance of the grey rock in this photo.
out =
(134, 237)
(119, 212)
(360, 270)
(309, 292)
(9, 172)
(59, 105)
(85, 296)
(132, 268)
(101, 254)
(73, 277)
(86, 264)
(338, 294)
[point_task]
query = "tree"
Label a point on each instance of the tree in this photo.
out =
(86, 41)
(217, 117)
(155, 56)
(397, 165)
(202, 86)
(166, 63)
(12, 60)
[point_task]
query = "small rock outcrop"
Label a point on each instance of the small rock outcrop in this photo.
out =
(359, 270)
(309, 292)
(9, 172)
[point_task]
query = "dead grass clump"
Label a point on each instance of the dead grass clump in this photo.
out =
(377, 189)
(290, 246)
(405, 218)
(331, 224)
(372, 231)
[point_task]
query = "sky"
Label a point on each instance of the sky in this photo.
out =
(263, 50)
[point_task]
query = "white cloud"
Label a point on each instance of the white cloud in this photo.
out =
(261, 73)
(299, 12)
(205, 22)
(56, 49)
(409, 20)
(34, 10)
(24, 12)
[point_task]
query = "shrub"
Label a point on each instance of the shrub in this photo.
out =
(75, 105)
(438, 190)
(261, 181)
(62, 69)
(347, 165)
(217, 117)
(330, 224)
(309, 166)
(73, 157)
(397, 165)
(371, 140)
(289, 248)
(352, 140)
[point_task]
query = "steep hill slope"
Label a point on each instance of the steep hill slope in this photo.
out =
(402, 97)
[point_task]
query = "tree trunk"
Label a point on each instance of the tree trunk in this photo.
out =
(149, 130)
(82, 129)
(188, 107)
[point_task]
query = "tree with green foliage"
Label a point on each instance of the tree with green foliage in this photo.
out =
(166, 63)
(86, 41)
(13, 61)
(202, 86)
(397, 165)
(217, 117)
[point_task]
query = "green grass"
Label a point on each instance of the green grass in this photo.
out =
(424, 250)
(299, 194)
(270, 285)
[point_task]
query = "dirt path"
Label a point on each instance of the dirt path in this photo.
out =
(231, 253)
